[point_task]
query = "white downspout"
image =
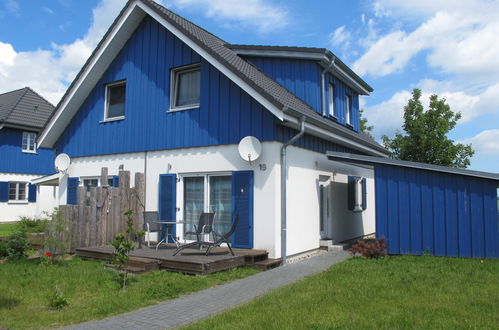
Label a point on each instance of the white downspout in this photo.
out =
(283, 188)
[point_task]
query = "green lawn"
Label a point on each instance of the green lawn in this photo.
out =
(391, 293)
(92, 291)
(7, 228)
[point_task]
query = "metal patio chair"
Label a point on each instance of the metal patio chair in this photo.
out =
(204, 227)
(151, 224)
(225, 238)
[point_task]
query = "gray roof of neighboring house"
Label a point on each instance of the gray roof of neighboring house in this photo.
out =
(24, 108)
(272, 91)
(353, 158)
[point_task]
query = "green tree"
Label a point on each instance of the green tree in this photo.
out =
(364, 127)
(426, 140)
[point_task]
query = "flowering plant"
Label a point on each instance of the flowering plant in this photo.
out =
(48, 254)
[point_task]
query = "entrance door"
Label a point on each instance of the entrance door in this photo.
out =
(324, 208)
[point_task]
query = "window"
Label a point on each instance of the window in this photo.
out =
(186, 87)
(29, 144)
(17, 191)
(331, 100)
(348, 115)
(207, 193)
(115, 101)
(357, 193)
(89, 183)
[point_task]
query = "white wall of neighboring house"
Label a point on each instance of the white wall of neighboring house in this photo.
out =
(305, 168)
(45, 202)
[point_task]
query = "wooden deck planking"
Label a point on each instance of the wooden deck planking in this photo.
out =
(192, 261)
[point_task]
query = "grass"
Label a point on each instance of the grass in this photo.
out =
(92, 292)
(6, 229)
(389, 293)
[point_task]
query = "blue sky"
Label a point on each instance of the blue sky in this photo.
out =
(394, 45)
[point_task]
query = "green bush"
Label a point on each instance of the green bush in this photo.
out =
(31, 225)
(3, 249)
(57, 300)
(17, 245)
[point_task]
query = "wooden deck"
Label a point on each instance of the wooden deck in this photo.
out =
(190, 261)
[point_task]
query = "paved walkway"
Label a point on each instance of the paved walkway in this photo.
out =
(202, 304)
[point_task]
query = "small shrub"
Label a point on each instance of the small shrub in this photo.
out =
(370, 248)
(123, 244)
(30, 225)
(58, 300)
(57, 235)
(17, 245)
(3, 249)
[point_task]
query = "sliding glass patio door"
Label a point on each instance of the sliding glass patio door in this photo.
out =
(207, 193)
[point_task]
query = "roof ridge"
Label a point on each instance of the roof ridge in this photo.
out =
(15, 90)
(15, 104)
(44, 99)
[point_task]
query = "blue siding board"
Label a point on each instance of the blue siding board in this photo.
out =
(415, 212)
(444, 214)
(16, 161)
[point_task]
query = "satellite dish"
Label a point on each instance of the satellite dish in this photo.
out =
(62, 162)
(250, 148)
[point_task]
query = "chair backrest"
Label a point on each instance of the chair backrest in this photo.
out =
(205, 222)
(228, 234)
(151, 217)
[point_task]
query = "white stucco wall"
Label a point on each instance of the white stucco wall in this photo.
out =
(46, 200)
(303, 227)
(195, 161)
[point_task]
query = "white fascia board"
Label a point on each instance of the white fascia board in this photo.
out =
(219, 66)
(77, 95)
(328, 135)
(351, 82)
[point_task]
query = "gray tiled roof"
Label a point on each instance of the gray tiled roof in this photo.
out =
(24, 108)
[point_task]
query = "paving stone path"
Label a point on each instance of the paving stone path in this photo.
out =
(202, 304)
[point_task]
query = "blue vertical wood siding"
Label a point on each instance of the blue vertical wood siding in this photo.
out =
(303, 78)
(16, 161)
(420, 211)
(226, 113)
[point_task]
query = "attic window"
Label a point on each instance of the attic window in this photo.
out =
(186, 87)
(115, 101)
(28, 143)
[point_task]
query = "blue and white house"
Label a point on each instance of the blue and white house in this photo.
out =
(22, 115)
(162, 96)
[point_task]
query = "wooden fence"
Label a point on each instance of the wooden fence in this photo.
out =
(99, 214)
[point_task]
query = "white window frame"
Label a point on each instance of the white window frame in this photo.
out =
(331, 100)
(106, 100)
(32, 140)
(175, 73)
(26, 192)
(348, 111)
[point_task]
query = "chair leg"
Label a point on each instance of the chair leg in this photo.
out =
(230, 249)
(208, 250)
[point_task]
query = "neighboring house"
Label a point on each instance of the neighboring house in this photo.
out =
(162, 96)
(22, 115)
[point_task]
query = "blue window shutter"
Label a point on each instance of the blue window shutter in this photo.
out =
(31, 193)
(72, 191)
(364, 193)
(168, 199)
(242, 204)
(116, 181)
(351, 193)
(4, 191)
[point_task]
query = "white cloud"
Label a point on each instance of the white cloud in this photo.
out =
(459, 39)
(339, 36)
(485, 143)
(12, 6)
(49, 71)
(260, 14)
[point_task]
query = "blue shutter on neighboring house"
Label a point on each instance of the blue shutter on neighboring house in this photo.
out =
(72, 191)
(4, 191)
(116, 181)
(364, 193)
(242, 204)
(168, 199)
(351, 193)
(31, 193)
